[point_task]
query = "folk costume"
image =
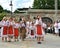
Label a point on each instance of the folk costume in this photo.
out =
(32, 30)
(59, 28)
(10, 29)
(38, 25)
(16, 30)
(27, 28)
(4, 29)
(23, 30)
(56, 27)
(38, 28)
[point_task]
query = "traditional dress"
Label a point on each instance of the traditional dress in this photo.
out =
(1, 25)
(59, 28)
(23, 30)
(4, 28)
(27, 27)
(38, 25)
(10, 28)
(56, 27)
(32, 31)
(16, 29)
(43, 29)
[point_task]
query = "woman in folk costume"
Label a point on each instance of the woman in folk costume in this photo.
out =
(23, 30)
(43, 30)
(28, 24)
(39, 29)
(32, 31)
(4, 30)
(16, 30)
(1, 25)
(10, 29)
(56, 28)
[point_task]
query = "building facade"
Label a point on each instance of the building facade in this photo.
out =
(47, 15)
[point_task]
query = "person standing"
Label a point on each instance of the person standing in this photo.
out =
(23, 30)
(59, 28)
(27, 28)
(32, 30)
(38, 25)
(4, 29)
(43, 30)
(16, 30)
(10, 29)
(56, 28)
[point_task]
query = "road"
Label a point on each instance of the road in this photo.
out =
(51, 41)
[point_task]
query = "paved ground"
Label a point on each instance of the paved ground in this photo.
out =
(51, 41)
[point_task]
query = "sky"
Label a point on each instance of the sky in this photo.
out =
(16, 4)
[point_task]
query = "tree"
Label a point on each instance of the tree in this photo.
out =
(58, 4)
(44, 4)
(16, 11)
(1, 9)
(6, 11)
(36, 4)
(3, 12)
(2, 15)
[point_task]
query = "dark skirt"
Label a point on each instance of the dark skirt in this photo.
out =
(23, 32)
(32, 32)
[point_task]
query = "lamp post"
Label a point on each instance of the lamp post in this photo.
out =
(56, 8)
(11, 6)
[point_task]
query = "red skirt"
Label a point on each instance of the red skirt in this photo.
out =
(32, 32)
(16, 32)
(5, 30)
(10, 30)
(39, 30)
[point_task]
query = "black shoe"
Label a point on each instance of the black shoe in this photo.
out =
(9, 41)
(39, 42)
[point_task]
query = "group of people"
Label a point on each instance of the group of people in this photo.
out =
(11, 28)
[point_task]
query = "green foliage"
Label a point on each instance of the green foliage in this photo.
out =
(36, 4)
(2, 15)
(58, 4)
(1, 9)
(45, 4)
(16, 11)
(6, 11)
(3, 12)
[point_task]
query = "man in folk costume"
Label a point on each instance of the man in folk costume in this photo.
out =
(23, 30)
(4, 30)
(32, 30)
(16, 30)
(38, 25)
(10, 29)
